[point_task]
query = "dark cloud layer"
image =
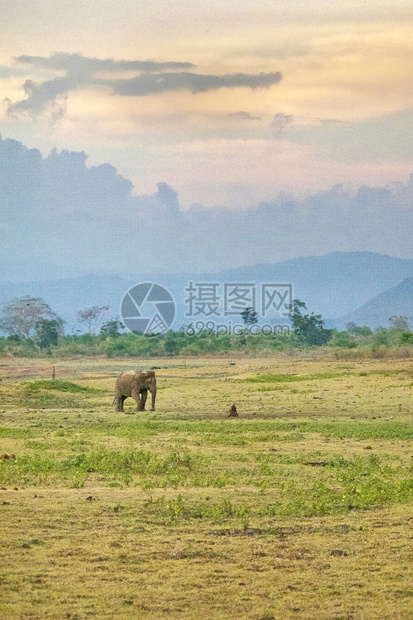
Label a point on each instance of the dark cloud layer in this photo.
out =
(76, 63)
(43, 96)
(152, 78)
(60, 217)
(149, 84)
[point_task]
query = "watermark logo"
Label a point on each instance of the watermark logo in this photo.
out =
(148, 309)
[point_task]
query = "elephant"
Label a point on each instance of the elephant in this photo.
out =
(135, 384)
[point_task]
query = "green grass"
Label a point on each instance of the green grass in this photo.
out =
(282, 378)
(17, 433)
(106, 465)
(175, 510)
(332, 485)
(291, 378)
(59, 386)
(54, 394)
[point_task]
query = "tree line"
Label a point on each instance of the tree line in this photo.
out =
(32, 328)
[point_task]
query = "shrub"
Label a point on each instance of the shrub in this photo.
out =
(343, 339)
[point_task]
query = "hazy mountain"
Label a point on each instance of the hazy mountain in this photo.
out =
(335, 285)
(395, 301)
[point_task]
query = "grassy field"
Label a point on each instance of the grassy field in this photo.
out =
(300, 508)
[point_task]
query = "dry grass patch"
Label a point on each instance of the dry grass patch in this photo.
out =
(300, 508)
(98, 553)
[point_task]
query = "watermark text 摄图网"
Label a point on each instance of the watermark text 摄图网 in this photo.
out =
(210, 304)
(215, 299)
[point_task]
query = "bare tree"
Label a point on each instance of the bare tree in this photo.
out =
(92, 317)
(21, 316)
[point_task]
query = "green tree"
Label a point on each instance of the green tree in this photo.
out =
(110, 329)
(406, 338)
(381, 335)
(343, 339)
(172, 343)
(47, 333)
(309, 328)
(249, 316)
(359, 330)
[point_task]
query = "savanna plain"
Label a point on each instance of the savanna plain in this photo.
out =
(302, 507)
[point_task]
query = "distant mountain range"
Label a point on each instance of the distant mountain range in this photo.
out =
(395, 301)
(363, 287)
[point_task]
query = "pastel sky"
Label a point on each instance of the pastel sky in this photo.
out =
(229, 102)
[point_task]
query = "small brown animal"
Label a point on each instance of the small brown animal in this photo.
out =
(233, 413)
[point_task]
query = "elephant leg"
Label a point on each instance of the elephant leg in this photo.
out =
(136, 396)
(120, 399)
(144, 395)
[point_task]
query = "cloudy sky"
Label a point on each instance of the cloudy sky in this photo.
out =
(231, 104)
